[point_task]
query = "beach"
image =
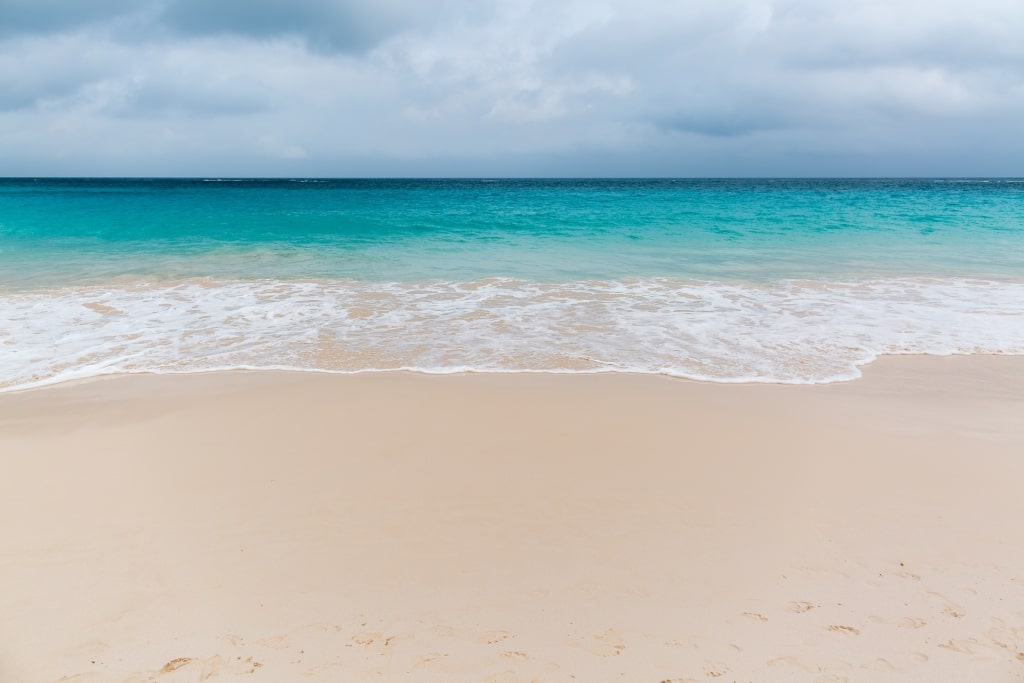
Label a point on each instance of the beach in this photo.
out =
(285, 526)
(511, 342)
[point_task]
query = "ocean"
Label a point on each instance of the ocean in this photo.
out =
(792, 281)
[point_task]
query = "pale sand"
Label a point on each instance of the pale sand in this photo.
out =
(288, 527)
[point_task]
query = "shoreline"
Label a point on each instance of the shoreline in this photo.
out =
(772, 331)
(515, 527)
(885, 359)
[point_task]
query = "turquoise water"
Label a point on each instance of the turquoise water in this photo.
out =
(74, 231)
(727, 280)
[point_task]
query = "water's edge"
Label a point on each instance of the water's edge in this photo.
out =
(72, 381)
(789, 332)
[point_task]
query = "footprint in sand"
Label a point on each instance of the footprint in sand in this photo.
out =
(715, 669)
(365, 638)
(1005, 637)
(275, 643)
(202, 669)
(880, 665)
(905, 622)
(247, 665)
(967, 646)
(791, 662)
(493, 637)
(680, 643)
(374, 640)
(949, 608)
(906, 574)
(800, 606)
(609, 644)
(848, 630)
(175, 664)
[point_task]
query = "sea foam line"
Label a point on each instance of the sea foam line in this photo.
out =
(793, 331)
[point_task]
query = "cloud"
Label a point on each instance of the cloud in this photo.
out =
(492, 87)
(44, 16)
(29, 74)
(344, 25)
(942, 34)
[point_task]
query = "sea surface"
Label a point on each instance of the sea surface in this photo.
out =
(795, 281)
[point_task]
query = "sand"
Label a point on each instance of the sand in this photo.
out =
(288, 527)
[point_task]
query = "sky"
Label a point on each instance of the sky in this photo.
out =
(537, 88)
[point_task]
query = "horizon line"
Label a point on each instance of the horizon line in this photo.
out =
(495, 177)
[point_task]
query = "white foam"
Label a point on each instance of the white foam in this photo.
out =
(790, 332)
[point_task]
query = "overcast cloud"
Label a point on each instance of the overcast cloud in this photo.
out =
(511, 87)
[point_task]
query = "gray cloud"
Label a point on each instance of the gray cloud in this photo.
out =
(346, 25)
(512, 87)
(721, 122)
(43, 16)
(29, 75)
(152, 100)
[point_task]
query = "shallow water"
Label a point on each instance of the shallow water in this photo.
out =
(723, 280)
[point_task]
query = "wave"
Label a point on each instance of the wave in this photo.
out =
(794, 331)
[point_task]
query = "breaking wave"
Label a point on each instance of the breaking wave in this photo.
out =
(794, 331)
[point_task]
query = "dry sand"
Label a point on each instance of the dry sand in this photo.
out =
(287, 527)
